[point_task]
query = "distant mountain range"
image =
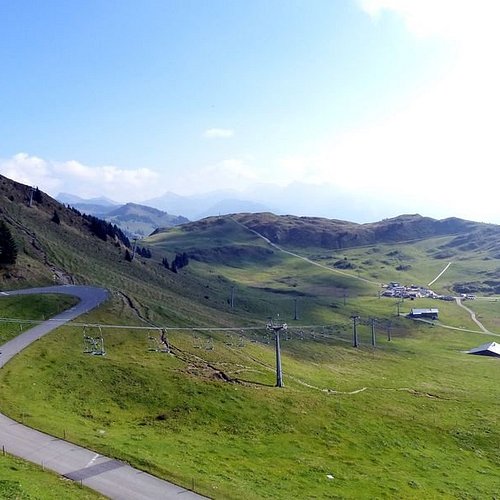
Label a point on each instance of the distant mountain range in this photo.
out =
(137, 221)
(296, 198)
(93, 206)
(140, 221)
(197, 207)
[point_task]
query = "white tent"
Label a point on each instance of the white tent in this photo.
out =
(489, 349)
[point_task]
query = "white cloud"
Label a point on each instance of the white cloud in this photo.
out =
(125, 185)
(29, 170)
(438, 154)
(83, 180)
(456, 20)
(218, 133)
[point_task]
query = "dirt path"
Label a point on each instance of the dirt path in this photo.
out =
(309, 261)
(473, 316)
(440, 274)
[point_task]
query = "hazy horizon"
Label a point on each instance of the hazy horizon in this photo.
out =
(386, 106)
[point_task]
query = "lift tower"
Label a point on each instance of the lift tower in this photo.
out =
(276, 326)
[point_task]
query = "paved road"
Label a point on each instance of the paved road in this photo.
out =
(110, 477)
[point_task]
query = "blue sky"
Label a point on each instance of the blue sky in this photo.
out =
(132, 99)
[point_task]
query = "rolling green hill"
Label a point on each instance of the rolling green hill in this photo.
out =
(140, 221)
(413, 417)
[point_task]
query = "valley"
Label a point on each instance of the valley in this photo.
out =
(412, 417)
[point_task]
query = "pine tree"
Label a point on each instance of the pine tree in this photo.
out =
(181, 260)
(128, 257)
(164, 263)
(8, 247)
(56, 218)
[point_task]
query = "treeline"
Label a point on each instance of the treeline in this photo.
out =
(103, 229)
(143, 252)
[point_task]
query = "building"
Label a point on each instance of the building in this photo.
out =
(430, 313)
(489, 349)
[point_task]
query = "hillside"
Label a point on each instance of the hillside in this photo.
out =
(408, 248)
(137, 221)
(391, 419)
(68, 252)
(336, 234)
(331, 234)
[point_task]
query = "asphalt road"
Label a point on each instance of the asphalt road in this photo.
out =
(110, 477)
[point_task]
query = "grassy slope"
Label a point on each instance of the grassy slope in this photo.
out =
(424, 426)
(427, 408)
(21, 480)
(39, 307)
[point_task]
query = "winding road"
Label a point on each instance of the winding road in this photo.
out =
(110, 477)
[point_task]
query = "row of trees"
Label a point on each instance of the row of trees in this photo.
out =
(181, 260)
(143, 252)
(101, 228)
(98, 227)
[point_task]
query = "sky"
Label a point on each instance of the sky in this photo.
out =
(393, 103)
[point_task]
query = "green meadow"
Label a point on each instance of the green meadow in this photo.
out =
(20, 480)
(413, 417)
(39, 307)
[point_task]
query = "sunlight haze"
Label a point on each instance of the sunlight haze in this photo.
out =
(390, 106)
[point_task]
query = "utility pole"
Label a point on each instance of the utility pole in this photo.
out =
(374, 340)
(32, 190)
(276, 328)
(389, 337)
(164, 340)
(232, 297)
(295, 315)
(398, 304)
(355, 342)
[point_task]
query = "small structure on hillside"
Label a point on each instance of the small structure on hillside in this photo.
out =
(489, 349)
(429, 313)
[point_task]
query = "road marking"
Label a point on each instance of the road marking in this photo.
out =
(93, 460)
(95, 470)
